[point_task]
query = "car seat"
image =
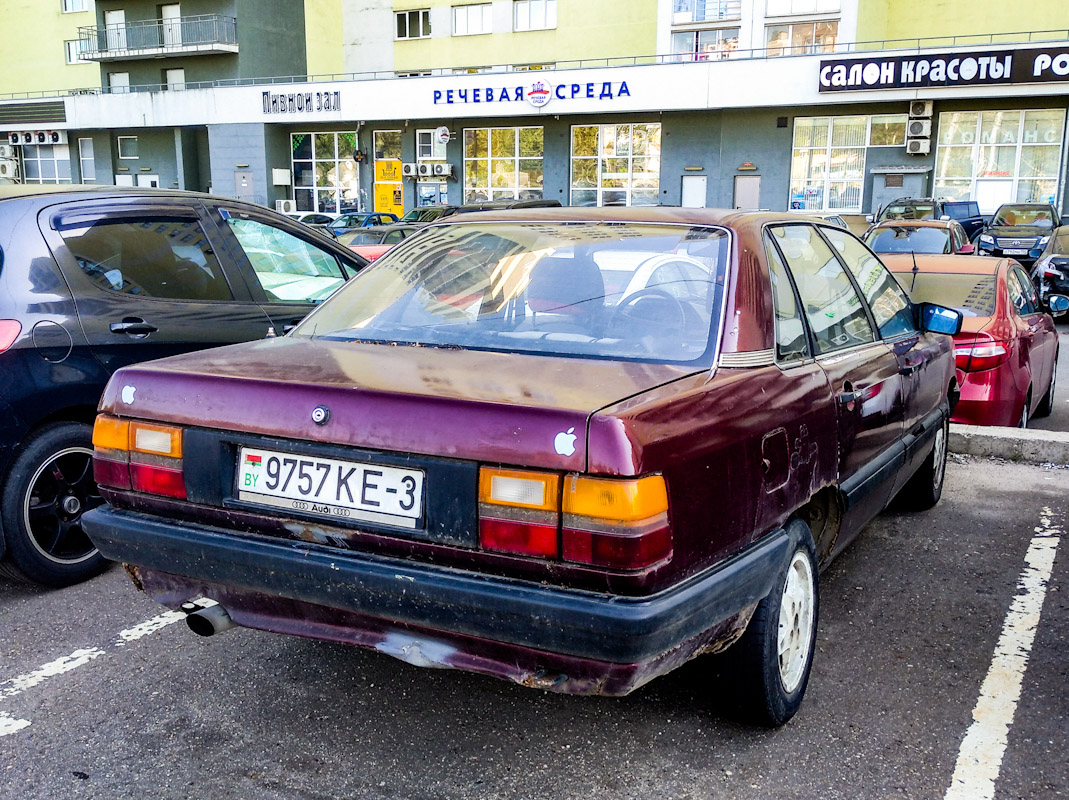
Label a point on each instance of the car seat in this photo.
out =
(566, 295)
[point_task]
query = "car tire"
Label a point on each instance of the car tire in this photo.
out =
(924, 489)
(1046, 405)
(771, 669)
(1022, 421)
(48, 488)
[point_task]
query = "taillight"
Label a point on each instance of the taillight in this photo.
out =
(9, 332)
(604, 522)
(142, 456)
(980, 353)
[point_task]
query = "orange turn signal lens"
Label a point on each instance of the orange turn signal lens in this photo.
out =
(519, 489)
(111, 433)
(160, 440)
(615, 500)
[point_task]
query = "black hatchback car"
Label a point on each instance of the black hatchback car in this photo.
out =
(95, 278)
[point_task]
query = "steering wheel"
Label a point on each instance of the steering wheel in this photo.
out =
(626, 315)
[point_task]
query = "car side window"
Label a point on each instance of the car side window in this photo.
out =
(159, 256)
(791, 342)
(833, 307)
(1022, 292)
(289, 269)
(890, 307)
(393, 237)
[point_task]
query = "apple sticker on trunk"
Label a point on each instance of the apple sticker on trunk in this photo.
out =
(564, 443)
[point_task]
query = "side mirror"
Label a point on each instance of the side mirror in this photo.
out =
(967, 250)
(945, 218)
(940, 319)
(870, 218)
(1057, 304)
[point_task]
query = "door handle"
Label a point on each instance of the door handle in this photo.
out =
(133, 326)
(910, 368)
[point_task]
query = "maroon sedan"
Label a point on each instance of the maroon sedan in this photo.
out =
(1007, 350)
(573, 448)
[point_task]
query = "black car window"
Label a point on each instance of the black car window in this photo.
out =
(289, 269)
(890, 307)
(393, 237)
(835, 312)
(162, 256)
(791, 342)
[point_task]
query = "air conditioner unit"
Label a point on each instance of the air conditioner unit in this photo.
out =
(920, 108)
(919, 128)
(425, 170)
(7, 151)
(14, 138)
(285, 206)
(444, 170)
(9, 170)
(408, 170)
(918, 147)
(55, 137)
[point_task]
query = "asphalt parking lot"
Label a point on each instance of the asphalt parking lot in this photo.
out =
(927, 620)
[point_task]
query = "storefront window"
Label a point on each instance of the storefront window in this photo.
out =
(997, 157)
(325, 174)
(616, 165)
(828, 160)
(501, 163)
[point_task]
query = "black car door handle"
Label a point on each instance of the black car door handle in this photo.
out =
(134, 326)
(846, 398)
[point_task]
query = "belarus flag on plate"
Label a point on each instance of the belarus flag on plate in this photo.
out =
(254, 460)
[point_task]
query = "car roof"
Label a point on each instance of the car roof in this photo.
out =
(961, 265)
(649, 214)
(15, 191)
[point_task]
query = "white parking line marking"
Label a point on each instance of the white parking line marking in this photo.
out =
(21, 683)
(982, 750)
(8, 724)
(149, 626)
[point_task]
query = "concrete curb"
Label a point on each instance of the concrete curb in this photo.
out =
(1012, 444)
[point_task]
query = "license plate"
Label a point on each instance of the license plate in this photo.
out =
(1015, 252)
(330, 487)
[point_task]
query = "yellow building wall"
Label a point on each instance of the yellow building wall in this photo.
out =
(879, 20)
(589, 30)
(33, 55)
(323, 37)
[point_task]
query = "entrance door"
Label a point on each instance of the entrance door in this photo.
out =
(171, 24)
(990, 194)
(694, 191)
(748, 191)
(151, 181)
(115, 29)
(176, 79)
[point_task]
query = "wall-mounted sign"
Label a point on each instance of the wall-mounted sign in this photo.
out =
(977, 68)
(537, 94)
(442, 134)
(300, 102)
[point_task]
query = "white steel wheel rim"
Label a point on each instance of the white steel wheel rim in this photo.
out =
(796, 609)
(938, 451)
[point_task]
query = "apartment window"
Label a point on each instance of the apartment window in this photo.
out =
(530, 67)
(502, 163)
(687, 11)
(127, 146)
(325, 174)
(997, 157)
(470, 70)
(782, 8)
(801, 38)
(46, 163)
(534, 15)
(471, 20)
(709, 45)
(70, 6)
(414, 24)
(419, 73)
(616, 165)
(86, 162)
(74, 51)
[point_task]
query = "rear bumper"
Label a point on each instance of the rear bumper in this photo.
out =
(373, 592)
(989, 397)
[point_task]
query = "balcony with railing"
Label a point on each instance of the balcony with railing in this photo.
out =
(155, 38)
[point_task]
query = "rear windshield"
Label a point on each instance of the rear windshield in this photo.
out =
(972, 295)
(908, 211)
(909, 240)
(602, 290)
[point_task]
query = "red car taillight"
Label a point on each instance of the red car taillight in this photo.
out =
(979, 353)
(142, 456)
(9, 332)
(604, 522)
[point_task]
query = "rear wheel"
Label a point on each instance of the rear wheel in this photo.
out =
(1046, 405)
(1022, 422)
(774, 657)
(48, 488)
(926, 486)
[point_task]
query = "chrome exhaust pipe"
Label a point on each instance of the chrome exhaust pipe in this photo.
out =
(209, 621)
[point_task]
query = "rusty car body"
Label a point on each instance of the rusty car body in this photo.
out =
(593, 444)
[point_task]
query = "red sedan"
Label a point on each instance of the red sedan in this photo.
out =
(1007, 350)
